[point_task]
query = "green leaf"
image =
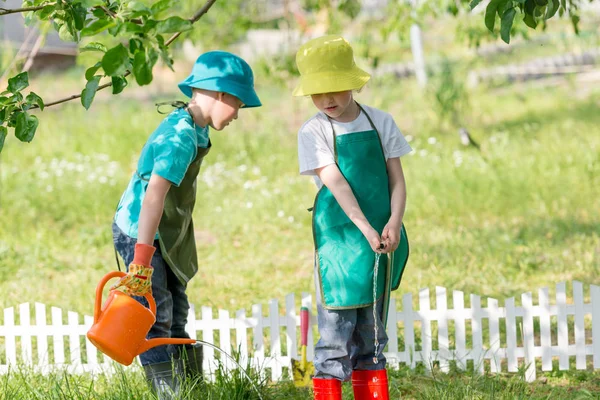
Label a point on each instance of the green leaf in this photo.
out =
(474, 3)
(131, 27)
(530, 21)
(3, 132)
(65, 34)
(18, 82)
(506, 24)
(553, 6)
(118, 84)
(87, 94)
(93, 46)
(143, 63)
(490, 13)
(97, 26)
(91, 71)
(173, 25)
(26, 126)
(92, 3)
(575, 22)
(79, 15)
(45, 12)
(33, 98)
(160, 6)
(116, 60)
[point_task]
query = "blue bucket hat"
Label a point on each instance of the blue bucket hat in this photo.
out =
(221, 71)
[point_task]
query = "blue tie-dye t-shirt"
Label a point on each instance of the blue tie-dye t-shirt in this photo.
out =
(167, 153)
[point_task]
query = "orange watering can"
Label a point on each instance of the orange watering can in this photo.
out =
(121, 325)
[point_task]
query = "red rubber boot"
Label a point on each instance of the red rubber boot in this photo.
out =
(327, 389)
(370, 385)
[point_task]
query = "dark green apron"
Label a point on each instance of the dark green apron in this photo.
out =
(344, 257)
(176, 228)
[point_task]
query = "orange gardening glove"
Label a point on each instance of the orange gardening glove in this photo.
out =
(138, 281)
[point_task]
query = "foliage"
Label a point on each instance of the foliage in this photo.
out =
(140, 31)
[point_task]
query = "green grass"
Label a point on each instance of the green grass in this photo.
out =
(519, 215)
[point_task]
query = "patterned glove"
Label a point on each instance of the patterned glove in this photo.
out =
(138, 281)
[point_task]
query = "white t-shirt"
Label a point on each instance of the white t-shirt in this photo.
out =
(315, 139)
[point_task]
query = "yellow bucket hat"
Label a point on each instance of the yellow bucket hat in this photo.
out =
(326, 65)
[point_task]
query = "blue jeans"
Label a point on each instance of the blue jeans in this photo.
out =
(347, 340)
(169, 293)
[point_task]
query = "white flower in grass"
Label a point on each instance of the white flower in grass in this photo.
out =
(247, 185)
(409, 138)
(432, 140)
(256, 170)
(59, 172)
(43, 175)
(423, 153)
(243, 168)
(280, 214)
(290, 219)
(103, 179)
(49, 188)
(249, 204)
(218, 209)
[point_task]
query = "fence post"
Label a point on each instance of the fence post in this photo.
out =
(225, 339)
(25, 321)
(458, 298)
(545, 335)
(580, 357)
(409, 330)
(258, 340)
(74, 346)
(494, 326)
(595, 300)
(441, 302)
(57, 336)
(11, 342)
(424, 311)
(208, 363)
(528, 342)
(241, 336)
(42, 338)
(478, 356)
(563, 328)
(511, 335)
(392, 332)
(275, 340)
(291, 322)
(310, 347)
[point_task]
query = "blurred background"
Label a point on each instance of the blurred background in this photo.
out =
(503, 183)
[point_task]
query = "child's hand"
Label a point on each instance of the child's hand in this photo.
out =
(138, 281)
(374, 240)
(391, 237)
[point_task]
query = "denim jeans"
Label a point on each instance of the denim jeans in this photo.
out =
(347, 340)
(169, 293)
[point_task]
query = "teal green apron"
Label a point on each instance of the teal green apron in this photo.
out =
(176, 228)
(344, 257)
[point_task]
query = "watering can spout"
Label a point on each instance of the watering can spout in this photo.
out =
(122, 323)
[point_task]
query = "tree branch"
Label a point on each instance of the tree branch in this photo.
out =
(6, 11)
(194, 19)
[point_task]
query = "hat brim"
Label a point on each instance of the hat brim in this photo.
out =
(331, 82)
(246, 94)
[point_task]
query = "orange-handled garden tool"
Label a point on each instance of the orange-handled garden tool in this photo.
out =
(302, 370)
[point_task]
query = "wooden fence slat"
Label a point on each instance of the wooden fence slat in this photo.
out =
(91, 353)
(392, 331)
(545, 335)
(225, 339)
(274, 360)
(528, 341)
(291, 322)
(595, 300)
(241, 336)
(563, 328)
(511, 335)
(57, 337)
(441, 302)
(478, 363)
(458, 298)
(25, 322)
(190, 326)
(409, 329)
(258, 339)
(425, 307)
(494, 327)
(43, 360)
(74, 346)
(208, 364)
(11, 339)
(580, 357)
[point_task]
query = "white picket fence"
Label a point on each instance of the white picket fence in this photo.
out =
(493, 338)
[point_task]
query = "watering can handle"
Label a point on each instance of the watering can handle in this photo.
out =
(100, 288)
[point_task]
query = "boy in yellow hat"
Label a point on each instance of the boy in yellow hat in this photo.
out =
(153, 229)
(353, 152)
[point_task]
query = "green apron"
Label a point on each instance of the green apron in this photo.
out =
(343, 255)
(176, 228)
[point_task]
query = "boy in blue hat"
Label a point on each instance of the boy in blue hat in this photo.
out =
(153, 229)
